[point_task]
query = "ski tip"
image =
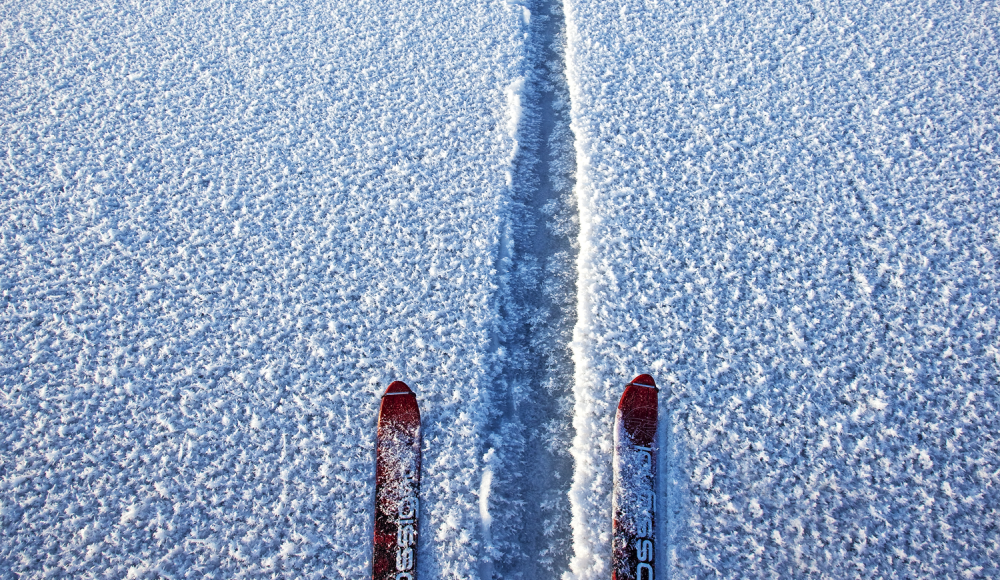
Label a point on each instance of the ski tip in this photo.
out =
(397, 388)
(638, 401)
(643, 381)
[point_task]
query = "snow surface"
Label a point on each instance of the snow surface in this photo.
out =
(226, 226)
(790, 216)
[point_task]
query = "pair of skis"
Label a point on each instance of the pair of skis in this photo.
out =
(397, 484)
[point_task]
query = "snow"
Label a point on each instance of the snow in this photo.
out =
(789, 215)
(225, 228)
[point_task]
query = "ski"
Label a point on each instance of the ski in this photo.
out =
(397, 485)
(633, 502)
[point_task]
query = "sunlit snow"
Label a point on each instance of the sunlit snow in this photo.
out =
(225, 226)
(790, 217)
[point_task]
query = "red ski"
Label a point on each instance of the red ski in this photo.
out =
(397, 485)
(633, 503)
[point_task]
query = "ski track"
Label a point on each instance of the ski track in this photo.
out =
(789, 216)
(224, 228)
(530, 473)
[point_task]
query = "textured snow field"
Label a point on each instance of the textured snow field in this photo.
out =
(790, 216)
(224, 228)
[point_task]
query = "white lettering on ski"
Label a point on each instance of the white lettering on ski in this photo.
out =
(644, 527)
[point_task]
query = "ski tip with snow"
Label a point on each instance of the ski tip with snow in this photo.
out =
(633, 497)
(397, 485)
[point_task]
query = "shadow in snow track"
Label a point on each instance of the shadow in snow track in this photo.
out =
(526, 530)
